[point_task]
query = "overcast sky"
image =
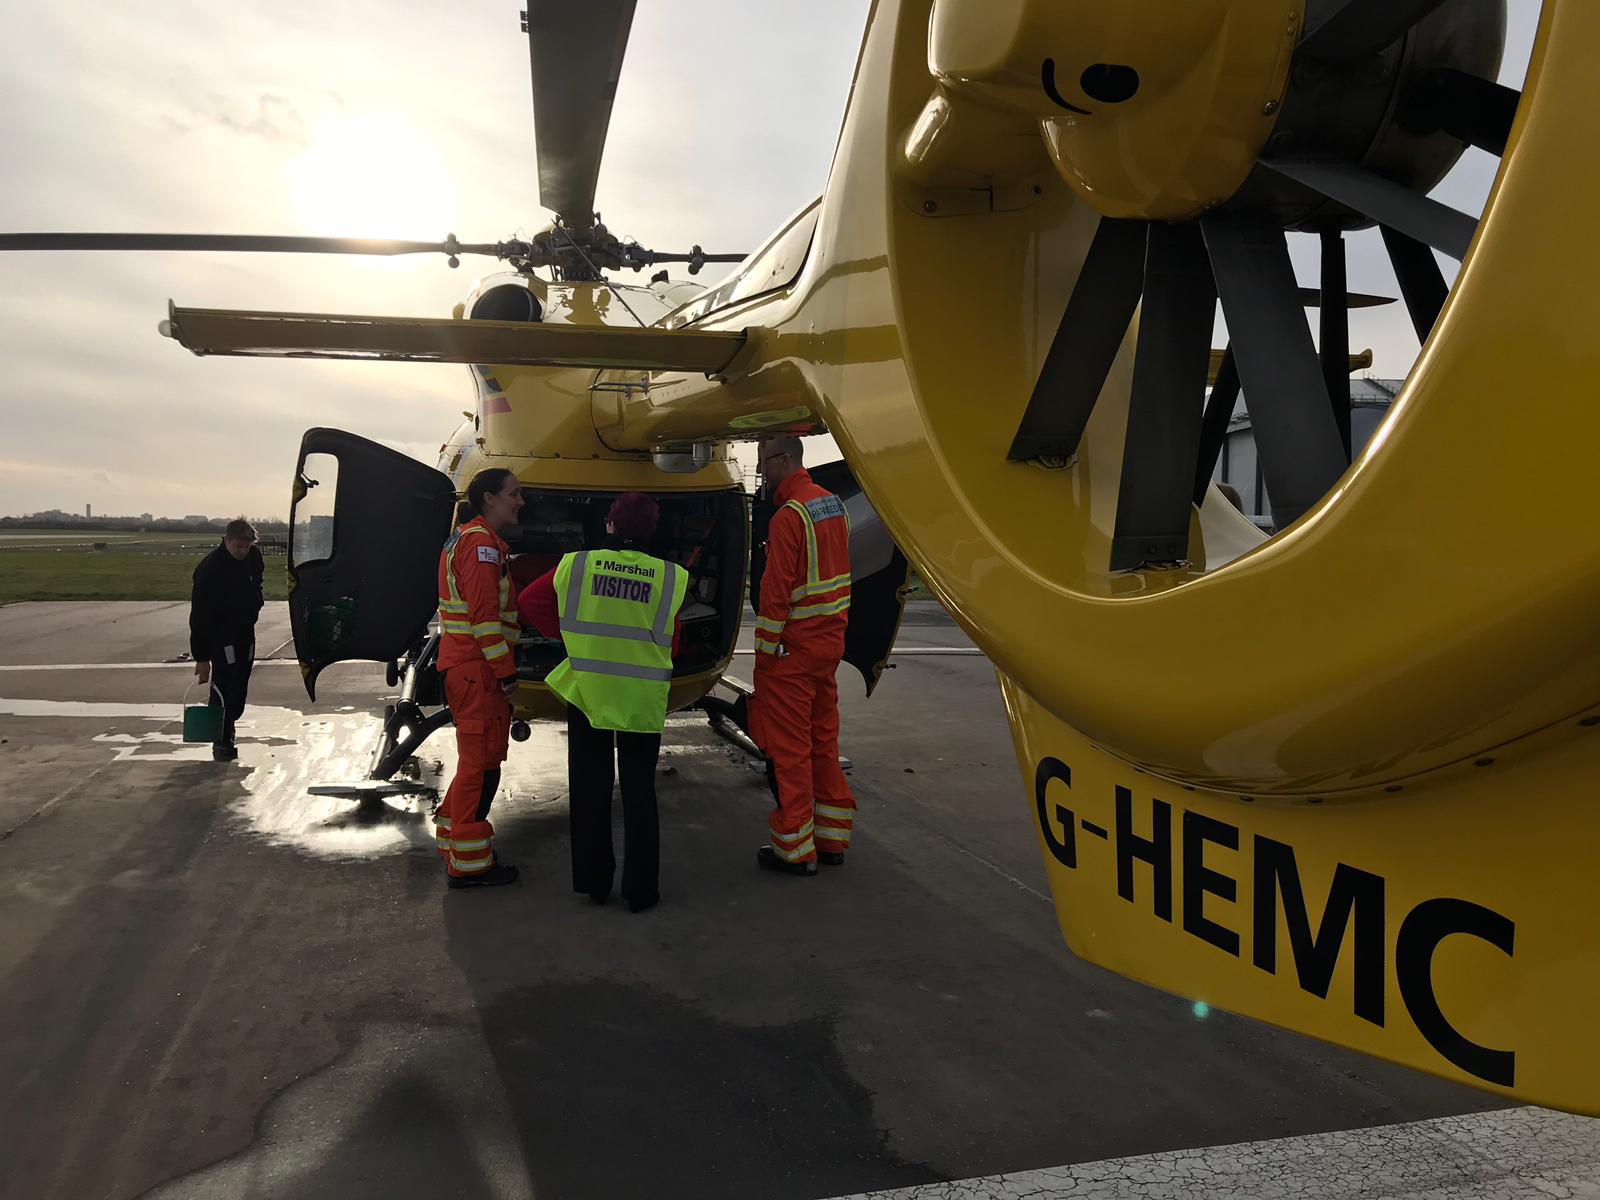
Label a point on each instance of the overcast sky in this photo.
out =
(394, 119)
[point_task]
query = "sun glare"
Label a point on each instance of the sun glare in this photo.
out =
(371, 177)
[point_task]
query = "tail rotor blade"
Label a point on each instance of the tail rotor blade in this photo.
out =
(1214, 424)
(1335, 340)
(1439, 225)
(1296, 438)
(1086, 343)
(1421, 281)
(1363, 27)
(1169, 377)
(1477, 111)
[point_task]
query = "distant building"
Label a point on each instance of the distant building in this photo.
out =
(88, 512)
(1239, 465)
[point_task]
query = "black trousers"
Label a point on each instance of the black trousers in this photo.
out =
(589, 779)
(233, 681)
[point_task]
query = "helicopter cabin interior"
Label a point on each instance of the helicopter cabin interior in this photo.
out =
(703, 532)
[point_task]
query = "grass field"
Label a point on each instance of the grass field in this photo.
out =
(149, 566)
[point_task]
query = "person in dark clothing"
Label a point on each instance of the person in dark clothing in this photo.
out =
(610, 603)
(222, 625)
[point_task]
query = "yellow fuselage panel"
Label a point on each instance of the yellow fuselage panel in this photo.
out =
(1154, 110)
(1449, 928)
(540, 421)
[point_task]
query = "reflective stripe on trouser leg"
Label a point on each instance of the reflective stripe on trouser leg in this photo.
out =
(482, 719)
(471, 848)
(441, 831)
(784, 699)
(835, 806)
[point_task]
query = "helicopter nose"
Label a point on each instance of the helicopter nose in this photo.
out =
(1110, 83)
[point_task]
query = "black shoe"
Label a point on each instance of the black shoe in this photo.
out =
(600, 897)
(495, 876)
(638, 906)
(767, 858)
(831, 858)
(224, 751)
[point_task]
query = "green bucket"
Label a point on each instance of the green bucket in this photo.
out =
(201, 722)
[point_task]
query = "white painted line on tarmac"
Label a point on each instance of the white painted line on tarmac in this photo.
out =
(187, 665)
(1513, 1152)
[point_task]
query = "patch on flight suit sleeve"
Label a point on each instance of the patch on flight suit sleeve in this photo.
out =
(488, 554)
(824, 507)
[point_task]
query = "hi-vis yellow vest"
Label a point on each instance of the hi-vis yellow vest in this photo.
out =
(617, 609)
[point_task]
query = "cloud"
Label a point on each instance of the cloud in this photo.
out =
(275, 118)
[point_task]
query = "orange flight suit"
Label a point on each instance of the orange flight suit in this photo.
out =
(478, 630)
(794, 714)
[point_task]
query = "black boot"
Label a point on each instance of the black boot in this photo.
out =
(767, 858)
(831, 858)
(497, 875)
(224, 751)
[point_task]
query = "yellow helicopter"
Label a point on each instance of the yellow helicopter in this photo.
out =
(1340, 778)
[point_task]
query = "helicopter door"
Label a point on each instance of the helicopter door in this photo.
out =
(879, 572)
(365, 530)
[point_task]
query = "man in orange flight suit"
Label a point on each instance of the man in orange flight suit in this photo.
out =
(794, 713)
(478, 630)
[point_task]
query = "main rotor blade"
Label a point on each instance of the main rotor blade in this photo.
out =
(1297, 441)
(1312, 298)
(1334, 343)
(1358, 362)
(1214, 425)
(1477, 111)
(575, 51)
(232, 243)
(1364, 27)
(1169, 379)
(1439, 225)
(1421, 281)
(1086, 343)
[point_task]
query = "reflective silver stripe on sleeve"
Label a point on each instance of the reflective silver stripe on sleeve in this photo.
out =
(627, 670)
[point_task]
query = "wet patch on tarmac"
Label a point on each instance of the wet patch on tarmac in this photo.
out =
(591, 1089)
(405, 1110)
(658, 1098)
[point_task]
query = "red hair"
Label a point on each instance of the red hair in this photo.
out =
(634, 516)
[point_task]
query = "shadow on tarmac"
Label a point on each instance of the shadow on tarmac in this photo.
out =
(619, 1089)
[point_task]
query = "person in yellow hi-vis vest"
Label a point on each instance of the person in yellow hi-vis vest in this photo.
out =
(617, 611)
